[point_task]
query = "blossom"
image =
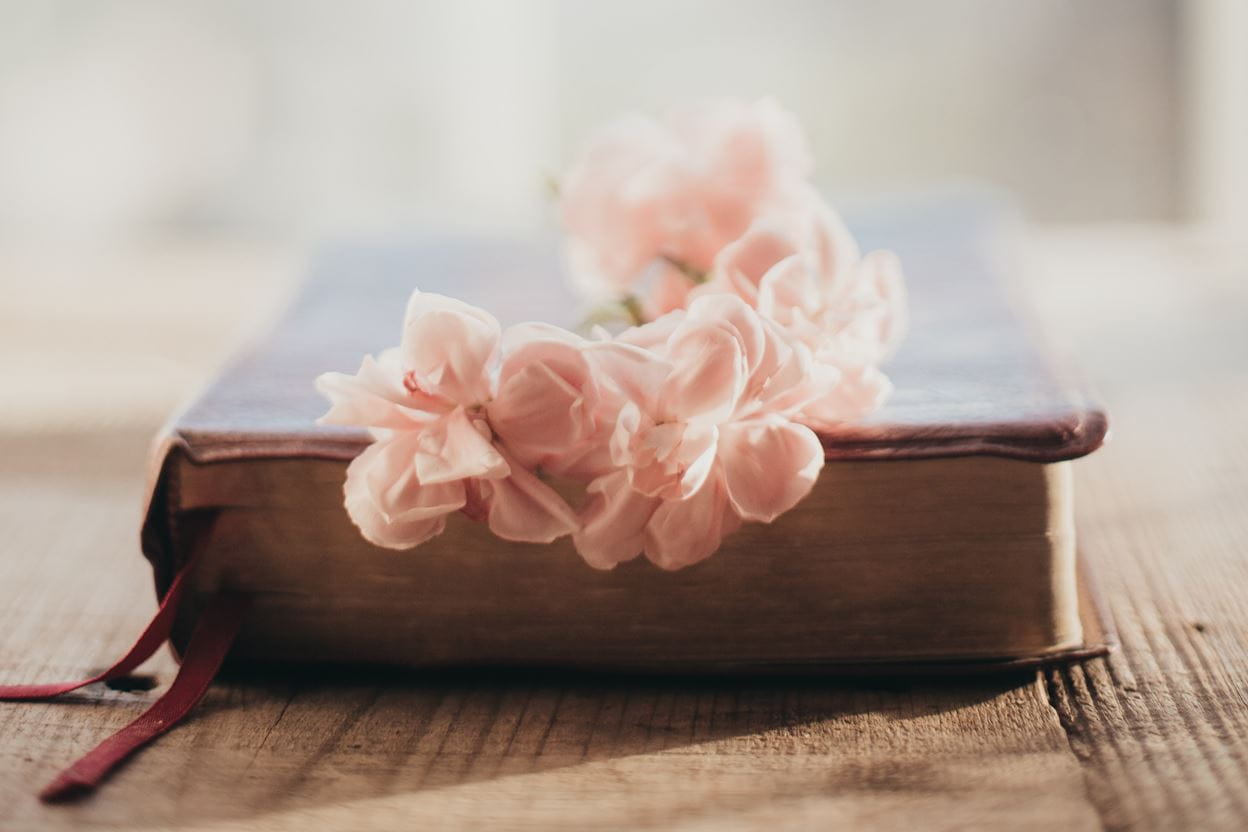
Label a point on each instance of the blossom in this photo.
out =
(766, 323)
(802, 269)
(703, 440)
(550, 410)
(434, 451)
(671, 194)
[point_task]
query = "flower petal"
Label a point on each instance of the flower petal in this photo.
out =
(612, 522)
(670, 460)
(746, 144)
(882, 271)
(447, 345)
(630, 372)
(800, 383)
(668, 292)
(375, 396)
(741, 264)
(387, 504)
(538, 412)
(769, 465)
(614, 203)
(789, 294)
(455, 448)
(856, 394)
(517, 336)
(708, 376)
(825, 239)
(544, 409)
(683, 532)
(403, 534)
(652, 335)
(523, 508)
(699, 450)
(388, 475)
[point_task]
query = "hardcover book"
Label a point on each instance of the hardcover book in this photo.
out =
(939, 536)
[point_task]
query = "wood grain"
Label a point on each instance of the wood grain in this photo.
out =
(1154, 738)
(1165, 722)
(1161, 727)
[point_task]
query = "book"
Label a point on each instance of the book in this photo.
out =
(940, 535)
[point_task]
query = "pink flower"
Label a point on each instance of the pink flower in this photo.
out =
(801, 269)
(551, 411)
(620, 200)
(767, 322)
(807, 227)
(646, 191)
(748, 157)
(703, 440)
(434, 450)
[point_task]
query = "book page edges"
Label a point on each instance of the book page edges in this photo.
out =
(1068, 639)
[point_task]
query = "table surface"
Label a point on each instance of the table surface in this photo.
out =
(1155, 736)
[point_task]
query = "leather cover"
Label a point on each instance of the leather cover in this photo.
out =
(970, 378)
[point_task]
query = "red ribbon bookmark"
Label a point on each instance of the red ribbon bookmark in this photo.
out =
(158, 629)
(214, 633)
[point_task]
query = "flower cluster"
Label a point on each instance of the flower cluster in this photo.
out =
(768, 324)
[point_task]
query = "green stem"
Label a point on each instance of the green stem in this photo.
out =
(695, 276)
(633, 307)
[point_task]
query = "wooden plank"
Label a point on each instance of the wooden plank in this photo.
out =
(1162, 726)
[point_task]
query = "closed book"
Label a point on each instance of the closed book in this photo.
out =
(940, 535)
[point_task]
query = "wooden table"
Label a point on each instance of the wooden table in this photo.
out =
(1154, 737)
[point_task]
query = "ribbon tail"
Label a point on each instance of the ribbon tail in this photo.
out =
(157, 631)
(214, 634)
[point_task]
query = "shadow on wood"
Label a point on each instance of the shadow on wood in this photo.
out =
(295, 740)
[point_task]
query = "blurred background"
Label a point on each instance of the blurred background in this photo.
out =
(167, 166)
